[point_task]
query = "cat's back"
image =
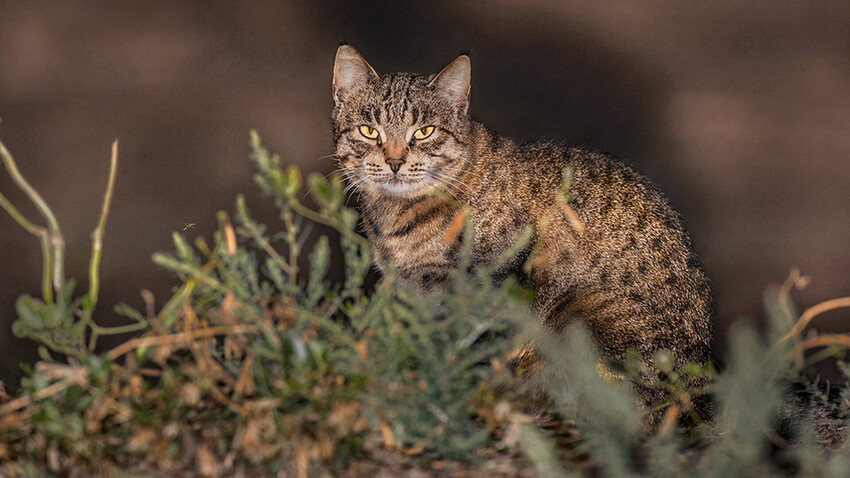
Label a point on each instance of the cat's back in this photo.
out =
(629, 265)
(603, 189)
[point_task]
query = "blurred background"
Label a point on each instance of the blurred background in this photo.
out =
(739, 111)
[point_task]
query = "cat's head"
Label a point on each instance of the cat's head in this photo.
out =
(400, 134)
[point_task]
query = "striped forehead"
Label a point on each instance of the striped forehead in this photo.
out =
(399, 99)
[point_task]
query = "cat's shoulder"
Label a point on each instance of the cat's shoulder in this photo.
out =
(562, 155)
(590, 169)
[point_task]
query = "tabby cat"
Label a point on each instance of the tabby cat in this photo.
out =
(618, 256)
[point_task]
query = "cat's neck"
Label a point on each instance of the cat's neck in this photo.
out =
(469, 176)
(485, 146)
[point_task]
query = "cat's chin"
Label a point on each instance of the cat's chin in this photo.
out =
(403, 189)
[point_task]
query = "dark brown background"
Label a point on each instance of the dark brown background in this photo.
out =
(740, 111)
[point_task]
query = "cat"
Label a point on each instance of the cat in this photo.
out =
(617, 256)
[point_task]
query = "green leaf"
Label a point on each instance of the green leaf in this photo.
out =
(319, 264)
(279, 182)
(518, 292)
(44, 354)
(28, 311)
(128, 311)
(663, 359)
(293, 180)
(183, 249)
(320, 189)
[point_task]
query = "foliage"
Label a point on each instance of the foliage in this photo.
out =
(59, 321)
(259, 363)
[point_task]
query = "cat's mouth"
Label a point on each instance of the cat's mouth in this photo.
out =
(399, 186)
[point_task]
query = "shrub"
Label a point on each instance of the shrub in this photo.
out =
(258, 363)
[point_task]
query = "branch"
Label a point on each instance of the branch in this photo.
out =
(316, 217)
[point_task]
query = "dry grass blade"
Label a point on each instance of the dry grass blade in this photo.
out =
(230, 237)
(179, 338)
(77, 378)
(453, 231)
(205, 462)
(245, 381)
(387, 435)
(809, 314)
(668, 422)
(573, 218)
(800, 345)
(827, 340)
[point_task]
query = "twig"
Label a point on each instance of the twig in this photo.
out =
(804, 320)
(185, 291)
(38, 231)
(56, 242)
(827, 340)
(77, 377)
(43, 237)
(809, 314)
(97, 235)
(82, 373)
(19, 218)
(292, 241)
(794, 280)
(249, 228)
(139, 342)
(800, 345)
(316, 217)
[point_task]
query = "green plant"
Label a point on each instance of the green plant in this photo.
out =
(286, 364)
(259, 363)
(59, 321)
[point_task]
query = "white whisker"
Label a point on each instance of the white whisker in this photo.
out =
(453, 180)
(447, 185)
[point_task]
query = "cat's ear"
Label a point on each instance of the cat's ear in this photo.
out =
(453, 82)
(350, 71)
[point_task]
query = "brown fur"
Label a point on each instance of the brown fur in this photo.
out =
(632, 274)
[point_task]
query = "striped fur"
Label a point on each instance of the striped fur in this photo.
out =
(632, 274)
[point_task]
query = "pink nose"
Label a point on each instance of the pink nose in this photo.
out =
(395, 164)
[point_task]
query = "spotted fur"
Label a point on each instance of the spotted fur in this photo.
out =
(631, 274)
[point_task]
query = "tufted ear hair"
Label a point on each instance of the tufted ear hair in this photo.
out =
(454, 82)
(350, 71)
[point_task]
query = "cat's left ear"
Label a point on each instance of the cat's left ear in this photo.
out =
(454, 81)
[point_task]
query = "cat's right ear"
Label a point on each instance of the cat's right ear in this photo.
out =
(350, 71)
(453, 82)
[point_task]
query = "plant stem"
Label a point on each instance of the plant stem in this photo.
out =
(293, 247)
(97, 235)
(19, 218)
(43, 237)
(316, 217)
(55, 240)
(97, 331)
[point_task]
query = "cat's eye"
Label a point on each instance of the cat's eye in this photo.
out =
(369, 132)
(423, 133)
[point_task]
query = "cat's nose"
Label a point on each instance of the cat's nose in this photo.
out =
(395, 164)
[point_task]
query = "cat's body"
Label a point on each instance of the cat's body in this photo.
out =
(630, 272)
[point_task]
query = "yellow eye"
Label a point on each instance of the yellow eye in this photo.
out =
(369, 132)
(423, 133)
